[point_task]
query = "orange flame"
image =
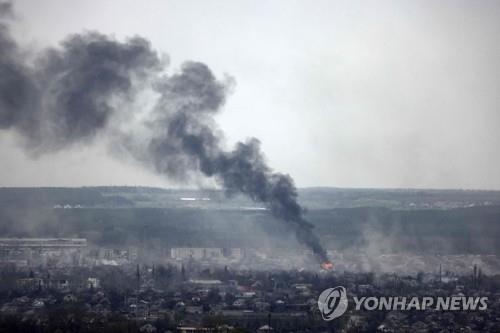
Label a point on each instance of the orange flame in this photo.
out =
(327, 265)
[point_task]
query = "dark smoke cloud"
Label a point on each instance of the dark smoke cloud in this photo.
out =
(83, 77)
(6, 9)
(16, 87)
(70, 94)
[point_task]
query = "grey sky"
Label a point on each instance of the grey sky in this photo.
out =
(341, 93)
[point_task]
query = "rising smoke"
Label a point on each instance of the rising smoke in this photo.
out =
(72, 94)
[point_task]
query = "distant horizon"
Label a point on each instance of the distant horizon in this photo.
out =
(299, 188)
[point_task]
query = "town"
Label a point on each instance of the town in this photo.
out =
(53, 285)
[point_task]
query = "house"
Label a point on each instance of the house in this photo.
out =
(194, 309)
(93, 283)
(148, 328)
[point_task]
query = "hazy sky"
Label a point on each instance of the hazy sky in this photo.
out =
(341, 93)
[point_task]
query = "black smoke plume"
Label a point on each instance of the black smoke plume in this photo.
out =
(67, 94)
(70, 94)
